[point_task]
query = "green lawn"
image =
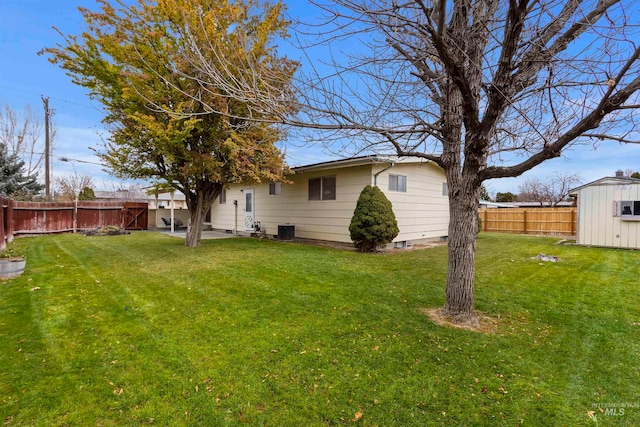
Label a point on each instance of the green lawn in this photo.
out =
(138, 329)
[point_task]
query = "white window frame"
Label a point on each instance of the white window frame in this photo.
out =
(629, 210)
(398, 183)
(275, 188)
(322, 195)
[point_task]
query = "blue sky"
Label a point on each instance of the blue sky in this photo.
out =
(26, 27)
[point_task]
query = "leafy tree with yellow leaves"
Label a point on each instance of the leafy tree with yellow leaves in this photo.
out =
(136, 60)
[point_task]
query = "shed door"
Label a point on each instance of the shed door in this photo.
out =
(248, 209)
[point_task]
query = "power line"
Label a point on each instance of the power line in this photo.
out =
(67, 159)
(67, 101)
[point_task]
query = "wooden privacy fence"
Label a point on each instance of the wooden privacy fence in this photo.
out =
(551, 221)
(31, 218)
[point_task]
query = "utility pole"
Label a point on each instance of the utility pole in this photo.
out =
(47, 149)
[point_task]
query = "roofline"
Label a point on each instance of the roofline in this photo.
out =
(495, 204)
(358, 161)
(618, 179)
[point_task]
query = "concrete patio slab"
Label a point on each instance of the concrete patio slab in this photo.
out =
(206, 235)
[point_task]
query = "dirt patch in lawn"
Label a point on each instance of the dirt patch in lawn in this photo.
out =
(486, 324)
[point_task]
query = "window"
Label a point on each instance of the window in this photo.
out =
(629, 209)
(445, 189)
(222, 198)
(274, 188)
(398, 183)
(322, 188)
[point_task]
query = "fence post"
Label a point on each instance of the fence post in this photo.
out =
(9, 221)
(75, 215)
(573, 222)
(524, 221)
(3, 243)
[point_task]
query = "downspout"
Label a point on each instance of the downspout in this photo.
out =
(375, 176)
(235, 225)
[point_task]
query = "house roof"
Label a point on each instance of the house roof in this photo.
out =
(137, 195)
(607, 180)
(359, 161)
(560, 204)
(490, 204)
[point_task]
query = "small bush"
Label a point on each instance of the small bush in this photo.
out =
(109, 230)
(86, 193)
(13, 251)
(373, 224)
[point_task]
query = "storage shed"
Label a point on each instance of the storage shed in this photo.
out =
(609, 212)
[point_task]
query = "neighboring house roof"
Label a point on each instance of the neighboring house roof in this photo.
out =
(608, 180)
(138, 195)
(177, 196)
(359, 161)
(495, 204)
(121, 195)
(561, 204)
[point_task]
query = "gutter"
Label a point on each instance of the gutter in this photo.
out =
(375, 176)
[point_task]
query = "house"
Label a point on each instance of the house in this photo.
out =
(156, 200)
(319, 200)
(491, 205)
(609, 212)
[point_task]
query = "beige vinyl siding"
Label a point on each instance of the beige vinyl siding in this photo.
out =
(313, 219)
(597, 224)
(223, 215)
(156, 215)
(422, 211)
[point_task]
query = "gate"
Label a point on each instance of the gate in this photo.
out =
(136, 216)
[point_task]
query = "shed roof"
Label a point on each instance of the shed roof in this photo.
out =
(607, 180)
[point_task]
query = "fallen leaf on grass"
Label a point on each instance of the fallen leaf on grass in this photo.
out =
(118, 391)
(37, 288)
(357, 416)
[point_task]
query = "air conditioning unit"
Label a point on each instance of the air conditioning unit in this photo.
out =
(286, 232)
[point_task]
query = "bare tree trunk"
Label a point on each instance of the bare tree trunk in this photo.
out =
(463, 226)
(194, 228)
(199, 202)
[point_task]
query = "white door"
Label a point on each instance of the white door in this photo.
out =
(248, 209)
